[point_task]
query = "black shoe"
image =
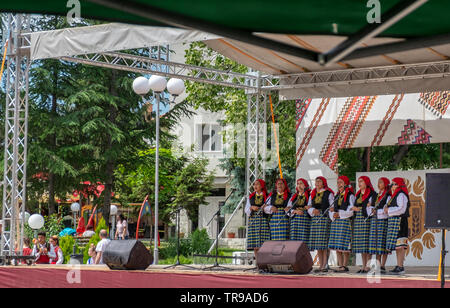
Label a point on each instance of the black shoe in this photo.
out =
(398, 270)
(360, 271)
(382, 270)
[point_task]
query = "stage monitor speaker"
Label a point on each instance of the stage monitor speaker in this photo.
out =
(437, 200)
(127, 255)
(285, 257)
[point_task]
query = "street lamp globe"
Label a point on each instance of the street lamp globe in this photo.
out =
(175, 86)
(75, 207)
(141, 86)
(157, 83)
(113, 210)
(36, 221)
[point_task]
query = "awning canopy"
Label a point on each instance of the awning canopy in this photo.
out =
(329, 45)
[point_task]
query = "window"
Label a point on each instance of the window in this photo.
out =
(209, 138)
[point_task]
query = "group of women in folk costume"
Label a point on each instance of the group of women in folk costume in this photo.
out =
(367, 223)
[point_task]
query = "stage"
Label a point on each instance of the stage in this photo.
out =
(84, 276)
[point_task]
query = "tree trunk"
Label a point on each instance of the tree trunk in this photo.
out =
(401, 153)
(51, 194)
(365, 156)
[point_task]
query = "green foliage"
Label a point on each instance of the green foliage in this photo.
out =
(200, 241)
(193, 184)
(170, 250)
(173, 260)
(66, 244)
(100, 226)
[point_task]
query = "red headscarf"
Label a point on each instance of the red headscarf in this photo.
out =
(369, 188)
(307, 189)
(325, 186)
(286, 188)
(263, 187)
(386, 188)
(348, 187)
(401, 187)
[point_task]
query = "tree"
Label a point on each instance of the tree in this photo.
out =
(193, 184)
(234, 103)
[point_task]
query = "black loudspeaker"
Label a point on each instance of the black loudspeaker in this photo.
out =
(437, 200)
(284, 257)
(127, 255)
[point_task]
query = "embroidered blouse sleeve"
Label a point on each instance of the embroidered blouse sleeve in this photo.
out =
(268, 208)
(348, 213)
(247, 208)
(400, 209)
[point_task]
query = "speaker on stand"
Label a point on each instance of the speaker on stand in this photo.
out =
(437, 212)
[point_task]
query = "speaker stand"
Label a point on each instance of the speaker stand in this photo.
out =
(216, 265)
(443, 254)
(178, 263)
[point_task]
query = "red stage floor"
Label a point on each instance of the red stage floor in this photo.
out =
(156, 277)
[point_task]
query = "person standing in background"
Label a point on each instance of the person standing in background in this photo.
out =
(101, 246)
(122, 228)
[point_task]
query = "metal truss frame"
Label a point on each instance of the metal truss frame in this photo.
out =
(149, 65)
(257, 88)
(380, 74)
(16, 131)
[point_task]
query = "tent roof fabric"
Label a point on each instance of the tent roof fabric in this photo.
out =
(343, 17)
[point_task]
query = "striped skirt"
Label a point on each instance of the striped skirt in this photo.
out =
(340, 235)
(320, 231)
(361, 231)
(392, 232)
(300, 228)
(279, 225)
(377, 238)
(258, 231)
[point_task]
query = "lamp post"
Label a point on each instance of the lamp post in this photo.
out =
(157, 84)
(75, 207)
(36, 222)
(113, 213)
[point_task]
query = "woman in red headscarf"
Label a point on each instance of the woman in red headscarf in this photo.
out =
(258, 225)
(397, 231)
(341, 225)
(319, 203)
(277, 207)
(300, 219)
(361, 229)
(378, 225)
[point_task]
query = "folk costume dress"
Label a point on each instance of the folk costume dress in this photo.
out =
(279, 221)
(320, 224)
(300, 224)
(341, 228)
(398, 212)
(379, 224)
(361, 227)
(258, 222)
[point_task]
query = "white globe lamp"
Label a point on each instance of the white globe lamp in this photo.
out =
(36, 221)
(157, 83)
(175, 86)
(75, 207)
(141, 86)
(113, 210)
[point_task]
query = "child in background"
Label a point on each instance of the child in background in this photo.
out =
(92, 255)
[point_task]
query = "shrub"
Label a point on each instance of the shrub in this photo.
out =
(94, 239)
(170, 251)
(66, 244)
(200, 242)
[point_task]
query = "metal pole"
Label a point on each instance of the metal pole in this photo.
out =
(156, 252)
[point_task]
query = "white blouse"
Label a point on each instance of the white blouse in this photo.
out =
(402, 202)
